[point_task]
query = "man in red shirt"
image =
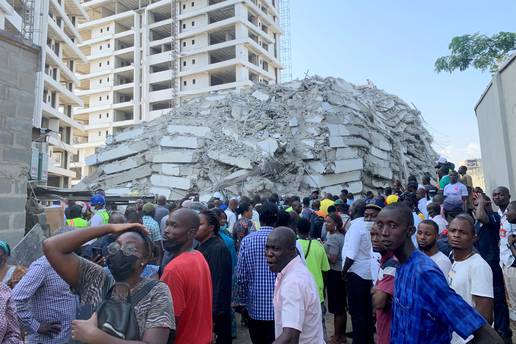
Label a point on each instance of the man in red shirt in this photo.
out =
(384, 288)
(188, 277)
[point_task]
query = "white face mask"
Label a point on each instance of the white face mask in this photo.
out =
(368, 225)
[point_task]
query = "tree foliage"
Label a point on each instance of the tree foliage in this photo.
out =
(478, 51)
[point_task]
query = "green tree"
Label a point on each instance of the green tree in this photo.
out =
(477, 51)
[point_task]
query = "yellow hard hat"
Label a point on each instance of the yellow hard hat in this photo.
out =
(392, 199)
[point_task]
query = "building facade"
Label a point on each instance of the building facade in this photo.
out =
(496, 117)
(53, 26)
(144, 57)
(476, 172)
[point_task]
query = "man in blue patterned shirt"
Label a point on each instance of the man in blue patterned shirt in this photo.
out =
(148, 221)
(425, 308)
(255, 282)
(45, 305)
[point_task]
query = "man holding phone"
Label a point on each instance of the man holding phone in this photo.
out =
(487, 228)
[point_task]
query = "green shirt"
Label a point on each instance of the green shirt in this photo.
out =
(316, 262)
(445, 180)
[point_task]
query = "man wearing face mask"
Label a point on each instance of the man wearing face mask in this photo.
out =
(189, 279)
(126, 259)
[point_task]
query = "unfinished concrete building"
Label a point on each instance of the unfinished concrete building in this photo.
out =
(292, 138)
(145, 56)
(51, 25)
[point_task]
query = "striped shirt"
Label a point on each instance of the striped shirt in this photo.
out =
(42, 296)
(425, 309)
(255, 282)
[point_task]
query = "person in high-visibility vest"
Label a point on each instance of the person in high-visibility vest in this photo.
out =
(101, 216)
(75, 219)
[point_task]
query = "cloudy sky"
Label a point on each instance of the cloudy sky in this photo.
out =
(395, 44)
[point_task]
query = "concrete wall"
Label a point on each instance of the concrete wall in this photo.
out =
(17, 88)
(496, 116)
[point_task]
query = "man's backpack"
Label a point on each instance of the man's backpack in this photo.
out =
(316, 225)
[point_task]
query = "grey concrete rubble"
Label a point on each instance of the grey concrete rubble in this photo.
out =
(292, 138)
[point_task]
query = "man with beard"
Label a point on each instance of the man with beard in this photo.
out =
(427, 243)
(188, 277)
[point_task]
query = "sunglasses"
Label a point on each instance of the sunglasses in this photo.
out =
(127, 250)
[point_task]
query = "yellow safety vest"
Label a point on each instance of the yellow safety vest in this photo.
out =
(105, 216)
(77, 222)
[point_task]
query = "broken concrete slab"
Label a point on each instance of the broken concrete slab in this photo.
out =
(122, 151)
(170, 181)
(128, 134)
(321, 181)
(347, 165)
(174, 156)
(260, 96)
(179, 142)
(119, 166)
(198, 131)
(225, 158)
(268, 146)
(127, 176)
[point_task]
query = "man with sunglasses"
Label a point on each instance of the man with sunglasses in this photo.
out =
(425, 308)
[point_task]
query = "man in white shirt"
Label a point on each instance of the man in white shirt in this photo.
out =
(297, 308)
(455, 195)
(427, 243)
(470, 275)
(356, 255)
(502, 199)
(231, 213)
(434, 213)
(422, 201)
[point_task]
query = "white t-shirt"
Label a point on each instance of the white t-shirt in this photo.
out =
(472, 276)
(442, 262)
(231, 219)
(441, 222)
(417, 221)
(357, 246)
(453, 194)
(421, 205)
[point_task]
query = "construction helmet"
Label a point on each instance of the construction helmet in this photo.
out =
(97, 199)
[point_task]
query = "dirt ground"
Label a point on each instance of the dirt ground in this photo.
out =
(243, 333)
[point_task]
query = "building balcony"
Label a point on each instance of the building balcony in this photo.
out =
(226, 86)
(50, 112)
(55, 60)
(68, 96)
(59, 171)
(103, 21)
(68, 25)
(55, 141)
(70, 48)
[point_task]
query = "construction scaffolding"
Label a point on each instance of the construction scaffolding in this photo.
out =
(25, 9)
(285, 45)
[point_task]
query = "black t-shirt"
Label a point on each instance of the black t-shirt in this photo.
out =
(488, 238)
(219, 260)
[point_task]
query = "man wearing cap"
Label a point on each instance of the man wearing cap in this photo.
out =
(148, 212)
(101, 216)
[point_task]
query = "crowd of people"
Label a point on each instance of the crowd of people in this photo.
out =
(411, 263)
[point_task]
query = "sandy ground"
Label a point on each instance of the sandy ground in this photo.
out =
(243, 333)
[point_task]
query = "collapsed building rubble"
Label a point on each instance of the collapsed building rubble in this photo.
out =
(310, 134)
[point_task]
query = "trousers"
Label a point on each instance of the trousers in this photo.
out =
(222, 328)
(261, 331)
(360, 308)
(502, 323)
(509, 274)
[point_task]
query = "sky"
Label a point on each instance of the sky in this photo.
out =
(394, 43)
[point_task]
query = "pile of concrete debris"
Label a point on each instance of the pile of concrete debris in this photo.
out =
(316, 133)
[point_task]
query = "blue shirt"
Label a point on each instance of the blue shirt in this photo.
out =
(425, 308)
(230, 244)
(255, 282)
(153, 227)
(42, 296)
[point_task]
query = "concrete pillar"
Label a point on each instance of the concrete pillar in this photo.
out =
(137, 69)
(145, 66)
(242, 73)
